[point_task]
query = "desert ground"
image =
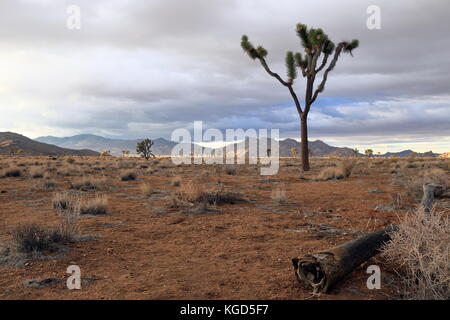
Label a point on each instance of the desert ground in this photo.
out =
(150, 229)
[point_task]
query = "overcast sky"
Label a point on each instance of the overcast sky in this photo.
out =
(144, 68)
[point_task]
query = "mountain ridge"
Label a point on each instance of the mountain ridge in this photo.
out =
(164, 147)
(10, 141)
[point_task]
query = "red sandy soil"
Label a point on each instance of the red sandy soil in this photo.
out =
(148, 250)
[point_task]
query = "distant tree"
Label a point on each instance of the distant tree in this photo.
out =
(294, 152)
(105, 153)
(144, 148)
(355, 152)
(315, 43)
(125, 152)
(368, 152)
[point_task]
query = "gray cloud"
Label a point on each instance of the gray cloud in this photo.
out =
(145, 68)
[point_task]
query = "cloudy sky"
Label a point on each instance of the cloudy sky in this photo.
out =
(144, 68)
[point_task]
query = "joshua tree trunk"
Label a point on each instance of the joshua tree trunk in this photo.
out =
(304, 141)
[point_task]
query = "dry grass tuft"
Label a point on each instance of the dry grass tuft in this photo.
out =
(36, 172)
(31, 237)
(342, 170)
(94, 206)
(176, 181)
(11, 172)
(89, 183)
(190, 193)
(422, 246)
(68, 209)
(128, 175)
(279, 195)
(146, 189)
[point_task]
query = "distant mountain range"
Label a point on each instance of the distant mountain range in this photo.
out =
(10, 141)
(91, 145)
(89, 141)
(163, 147)
(407, 153)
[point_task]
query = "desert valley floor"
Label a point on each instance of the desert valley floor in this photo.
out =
(151, 244)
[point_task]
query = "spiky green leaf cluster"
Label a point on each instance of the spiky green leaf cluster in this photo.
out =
(261, 51)
(314, 39)
(299, 61)
(290, 66)
(248, 47)
(350, 46)
(302, 32)
(328, 47)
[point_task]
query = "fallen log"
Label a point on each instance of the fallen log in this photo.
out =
(321, 270)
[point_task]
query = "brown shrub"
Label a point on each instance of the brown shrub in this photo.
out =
(421, 246)
(94, 206)
(342, 170)
(12, 172)
(36, 173)
(128, 175)
(89, 183)
(412, 180)
(190, 193)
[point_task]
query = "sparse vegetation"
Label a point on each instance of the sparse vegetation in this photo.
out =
(12, 172)
(176, 181)
(94, 206)
(34, 238)
(421, 247)
(342, 170)
(128, 175)
(36, 173)
(260, 212)
(231, 170)
(89, 184)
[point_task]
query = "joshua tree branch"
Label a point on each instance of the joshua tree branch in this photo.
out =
(273, 74)
(287, 84)
(330, 67)
(324, 62)
(297, 103)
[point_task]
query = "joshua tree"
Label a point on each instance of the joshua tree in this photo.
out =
(315, 44)
(355, 152)
(125, 152)
(369, 152)
(144, 148)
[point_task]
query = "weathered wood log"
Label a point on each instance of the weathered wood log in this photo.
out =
(430, 191)
(321, 270)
